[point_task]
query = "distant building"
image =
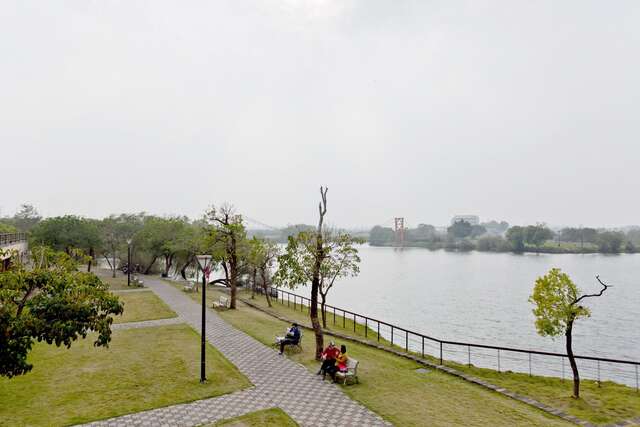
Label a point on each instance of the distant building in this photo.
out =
(471, 219)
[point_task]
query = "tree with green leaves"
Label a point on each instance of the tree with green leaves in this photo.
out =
(557, 306)
(516, 236)
(52, 302)
(26, 218)
(68, 233)
(537, 234)
(262, 254)
(226, 240)
(159, 237)
(460, 229)
(115, 230)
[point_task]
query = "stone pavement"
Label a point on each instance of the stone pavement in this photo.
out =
(279, 382)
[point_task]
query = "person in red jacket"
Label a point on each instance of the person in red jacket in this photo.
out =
(329, 356)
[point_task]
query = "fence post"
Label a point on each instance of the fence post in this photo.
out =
(288, 297)
(423, 347)
(469, 356)
(392, 336)
(406, 341)
(598, 373)
(344, 320)
(441, 352)
(354, 322)
(498, 360)
(334, 316)
(529, 364)
(562, 358)
(379, 334)
(637, 385)
(366, 323)
(295, 297)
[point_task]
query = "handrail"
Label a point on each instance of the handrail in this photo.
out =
(9, 238)
(441, 341)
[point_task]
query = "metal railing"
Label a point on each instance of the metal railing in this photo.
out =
(464, 353)
(9, 238)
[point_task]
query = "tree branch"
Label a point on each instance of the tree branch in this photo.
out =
(599, 294)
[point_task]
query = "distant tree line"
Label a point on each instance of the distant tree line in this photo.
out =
(496, 236)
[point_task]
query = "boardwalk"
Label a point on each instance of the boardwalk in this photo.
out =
(279, 382)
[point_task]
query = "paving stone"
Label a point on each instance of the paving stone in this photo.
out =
(279, 382)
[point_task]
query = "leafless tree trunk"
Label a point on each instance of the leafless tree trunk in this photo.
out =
(114, 264)
(569, 339)
(91, 255)
(148, 269)
(265, 286)
(315, 282)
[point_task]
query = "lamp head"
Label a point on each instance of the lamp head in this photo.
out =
(204, 261)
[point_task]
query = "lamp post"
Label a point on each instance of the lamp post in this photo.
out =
(204, 262)
(128, 262)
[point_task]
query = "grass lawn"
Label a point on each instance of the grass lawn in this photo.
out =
(274, 417)
(609, 403)
(144, 305)
(390, 385)
(142, 369)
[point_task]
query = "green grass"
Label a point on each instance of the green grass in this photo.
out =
(115, 283)
(274, 417)
(142, 369)
(144, 305)
(606, 404)
(390, 385)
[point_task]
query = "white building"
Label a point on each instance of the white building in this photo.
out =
(471, 219)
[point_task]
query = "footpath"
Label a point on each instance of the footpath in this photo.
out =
(278, 381)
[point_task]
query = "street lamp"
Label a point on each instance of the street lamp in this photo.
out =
(129, 262)
(204, 262)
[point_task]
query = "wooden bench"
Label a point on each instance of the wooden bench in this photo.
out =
(189, 287)
(351, 374)
(222, 303)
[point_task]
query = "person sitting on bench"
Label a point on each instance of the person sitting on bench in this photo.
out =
(342, 363)
(292, 338)
(329, 356)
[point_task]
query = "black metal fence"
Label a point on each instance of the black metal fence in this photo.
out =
(486, 356)
(9, 238)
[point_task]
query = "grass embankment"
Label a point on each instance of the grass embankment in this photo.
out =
(143, 305)
(117, 283)
(142, 369)
(274, 417)
(391, 386)
(608, 403)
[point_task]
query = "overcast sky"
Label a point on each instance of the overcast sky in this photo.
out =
(524, 111)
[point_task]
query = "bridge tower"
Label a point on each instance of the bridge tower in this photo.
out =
(399, 231)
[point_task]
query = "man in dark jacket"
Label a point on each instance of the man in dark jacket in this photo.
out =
(292, 338)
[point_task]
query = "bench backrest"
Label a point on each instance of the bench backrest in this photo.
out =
(352, 364)
(224, 300)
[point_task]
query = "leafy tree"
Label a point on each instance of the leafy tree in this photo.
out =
(460, 229)
(7, 228)
(339, 259)
(422, 233)
(495, 227)
(226, 239)
(159, 237)
(261, 257)
(537, 234)
(493, 244)
(380, 236)
(477, 231)
(578, 235)
(610, 241)
(516, 236)
(26, 218)
(67, 233)
(51, 302)
(114, 232)
(557, 307)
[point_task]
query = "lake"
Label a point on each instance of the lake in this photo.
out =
(482, 297)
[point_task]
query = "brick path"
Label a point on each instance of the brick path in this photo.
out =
(279, 382)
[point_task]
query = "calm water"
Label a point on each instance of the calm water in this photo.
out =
(482, 297)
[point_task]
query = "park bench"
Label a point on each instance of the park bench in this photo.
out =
(137, 282)
(223, 302)
(297, 347)
(189, 287)
(351, 374)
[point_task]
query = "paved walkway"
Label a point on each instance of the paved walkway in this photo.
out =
(279, 382)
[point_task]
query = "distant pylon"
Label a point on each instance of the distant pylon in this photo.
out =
(399, 231)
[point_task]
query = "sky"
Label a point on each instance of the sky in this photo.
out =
(516, 110)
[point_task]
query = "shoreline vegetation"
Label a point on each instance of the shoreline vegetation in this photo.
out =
(499, 237)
